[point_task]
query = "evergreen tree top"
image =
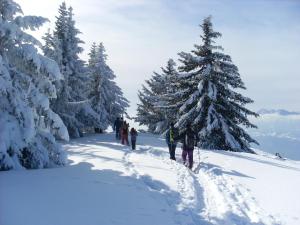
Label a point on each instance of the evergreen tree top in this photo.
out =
(92, 55)
(209, 34)
(101, 52)
(61, 20)
(171, 67)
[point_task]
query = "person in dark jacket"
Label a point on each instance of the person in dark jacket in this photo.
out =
(189, 140)
(171, 139)
(117, 127)
(133, 135)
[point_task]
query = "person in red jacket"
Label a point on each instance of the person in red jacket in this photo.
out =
(124, 133)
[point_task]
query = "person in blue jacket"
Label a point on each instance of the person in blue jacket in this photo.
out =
(133, 134)
(117, 126)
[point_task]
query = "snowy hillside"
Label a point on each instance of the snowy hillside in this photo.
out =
(278, 131)
(106, 183)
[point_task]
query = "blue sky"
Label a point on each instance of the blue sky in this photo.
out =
(262, 37)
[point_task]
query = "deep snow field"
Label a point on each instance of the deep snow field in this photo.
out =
(107, 183)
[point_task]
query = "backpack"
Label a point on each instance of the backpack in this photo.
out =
(189, 140)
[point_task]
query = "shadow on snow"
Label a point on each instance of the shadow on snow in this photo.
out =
(162, 207)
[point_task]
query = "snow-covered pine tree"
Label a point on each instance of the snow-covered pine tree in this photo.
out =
(72, 103)
(112, 96)
(78, 79)
(168, 100)
(157, 107)
(96, 88)
(211, 105)
(56, 47)
(27, 124)
(52, 47)
(74, 65)
(147, 113)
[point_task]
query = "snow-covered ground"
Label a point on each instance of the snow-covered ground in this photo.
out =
(107, 183)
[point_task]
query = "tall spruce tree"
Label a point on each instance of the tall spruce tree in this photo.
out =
(210, 103)
(147, 112)
(111, 94)
(63, 46)
(96, 93)
(158, 103)
(28, 125)
(168, 102)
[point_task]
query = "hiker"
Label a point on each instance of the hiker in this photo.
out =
(171, 137)
(189, 140)
(121, 126)
(278, 155)
(133, 135)
(124, 133)
(127, 127)
(116, 128)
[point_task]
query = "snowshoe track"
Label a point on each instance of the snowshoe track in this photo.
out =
(233, 200)
(151, 185)
(187, 186)
(225, 201)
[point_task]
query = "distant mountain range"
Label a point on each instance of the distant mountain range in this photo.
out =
(282, 112)
(278, 131)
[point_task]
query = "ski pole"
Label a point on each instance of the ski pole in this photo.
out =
(198, 154)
